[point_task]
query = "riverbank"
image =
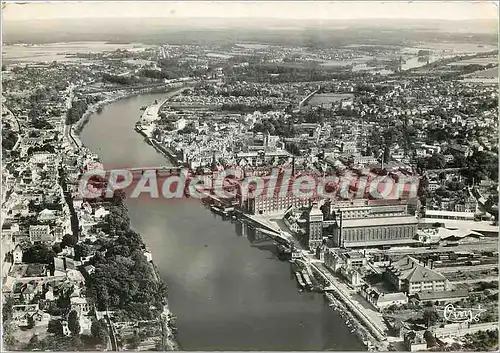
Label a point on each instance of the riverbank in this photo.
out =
(372, 328)
(168, 339)
(146, 125)
(165, 152)
(351, 321)
(117, 95)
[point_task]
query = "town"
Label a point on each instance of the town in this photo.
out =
(76, 275)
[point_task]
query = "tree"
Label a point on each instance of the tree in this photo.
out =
(99, 331)
(436, 161)
(38, 253)
(430, 316)
(82, 250)
(442, 192)
(55, 327)
(293, 149)
(7, 309)
(74, 323)
(134, 341)
(34, 342)
(430, 339)
(31, 322)
(56, 248)
(455, 347)
(69, 240)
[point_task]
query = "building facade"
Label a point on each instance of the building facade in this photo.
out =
(262, 204)
(380, 300)
(371, 232)
(40, 233)
(315, 227)
(365, 223)
(408, 276)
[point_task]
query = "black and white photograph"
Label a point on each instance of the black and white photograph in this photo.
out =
(249, 176)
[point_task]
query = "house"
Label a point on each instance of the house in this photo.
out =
(17, 254)
(65, 328)
(58, 233)
(148, 255)
(28, 293)
(85, 325)
(332, 260)
(80, 305)
(408, 276)
(449, 158)
(89, 269)
(49, 295)
(380, 300)
(101, 213)
(46, 216)
(433, 185)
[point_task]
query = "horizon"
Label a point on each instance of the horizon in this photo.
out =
(231, 10)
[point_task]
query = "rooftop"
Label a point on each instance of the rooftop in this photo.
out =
(360, 244)
(442, 295)
(379, 221)
(436, 214)
(389, 297)
(409, 269)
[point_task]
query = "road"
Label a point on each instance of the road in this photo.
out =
(12, 117)
(112, 333)
(69, 137)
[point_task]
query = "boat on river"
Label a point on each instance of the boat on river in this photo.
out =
(300, 280)
(218, 210)
(307, 279)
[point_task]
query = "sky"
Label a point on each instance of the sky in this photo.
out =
(452, 10)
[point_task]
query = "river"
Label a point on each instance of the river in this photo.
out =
(227, 293)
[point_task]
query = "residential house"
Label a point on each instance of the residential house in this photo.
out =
(80, 305)
(17, 254)
(100, 213)
(380, 300)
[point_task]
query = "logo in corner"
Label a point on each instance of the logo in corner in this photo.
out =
(458, 315)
